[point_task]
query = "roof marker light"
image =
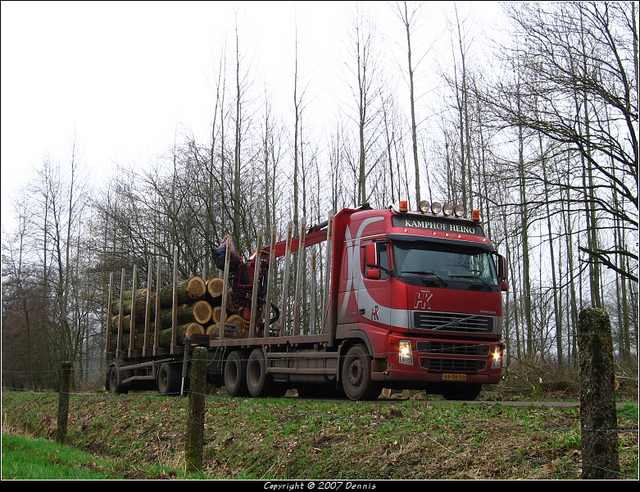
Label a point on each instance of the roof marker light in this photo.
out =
(403, 206)
(475, 215)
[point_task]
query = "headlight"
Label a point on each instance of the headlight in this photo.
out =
(404, 352)
(496, 361)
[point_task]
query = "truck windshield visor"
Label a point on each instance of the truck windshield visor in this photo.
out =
(444, 265)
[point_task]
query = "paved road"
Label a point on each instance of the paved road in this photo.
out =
(544, 404)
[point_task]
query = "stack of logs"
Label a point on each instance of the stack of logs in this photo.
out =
(198, 311)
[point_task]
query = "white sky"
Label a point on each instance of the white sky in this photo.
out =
(126, 77)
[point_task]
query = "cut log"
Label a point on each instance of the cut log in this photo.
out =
(234, 320)
(236, 323)
(141, 308)
(126, 294)
(188, 291)
(184, 316)
(234, 326)
(182, 331)
(137, 344)
(216, 314)
(125, 324)
(194, 329)
(213, 329)
(202, 311)
(199, 312)
(214, 287)
(141, 302)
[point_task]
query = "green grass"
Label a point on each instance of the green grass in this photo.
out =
(142, 436)
(25, 458)
(37, 459)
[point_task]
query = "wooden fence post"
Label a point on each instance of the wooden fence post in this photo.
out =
(195, 423)
(598, 419)
(63, 403)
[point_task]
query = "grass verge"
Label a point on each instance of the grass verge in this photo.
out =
(142, 436)
(37, 459)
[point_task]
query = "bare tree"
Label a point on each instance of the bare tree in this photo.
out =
(52, 246)
(365, 91)
(409, 17)
(575, 99)
(587, 50)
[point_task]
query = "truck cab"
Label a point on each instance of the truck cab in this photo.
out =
(422, 292)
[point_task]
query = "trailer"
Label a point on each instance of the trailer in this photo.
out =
(404, 300)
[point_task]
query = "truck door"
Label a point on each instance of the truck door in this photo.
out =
(352, 290)
(347, 298)
(375, 294)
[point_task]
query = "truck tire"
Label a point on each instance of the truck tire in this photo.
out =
(356, 375)
(235, 374)
(169, 379)
(259, 383)
(114, 379)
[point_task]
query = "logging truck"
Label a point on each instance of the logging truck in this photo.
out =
(369, 299)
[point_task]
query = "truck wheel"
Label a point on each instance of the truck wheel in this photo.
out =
(259, 383)
(169, 379)
(235, 374)
(356, 375)
(114, 387)
(462, 392)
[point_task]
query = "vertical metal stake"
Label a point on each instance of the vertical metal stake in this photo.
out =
(299, 276)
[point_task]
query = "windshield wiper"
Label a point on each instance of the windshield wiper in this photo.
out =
(421, 272)
(471, 276)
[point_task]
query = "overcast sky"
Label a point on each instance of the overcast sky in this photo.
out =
(124, 78)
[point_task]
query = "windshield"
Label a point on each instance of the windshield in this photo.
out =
(444, 265)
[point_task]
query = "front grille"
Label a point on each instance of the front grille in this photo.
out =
(449, 348)
(452, 365)
(460, 323)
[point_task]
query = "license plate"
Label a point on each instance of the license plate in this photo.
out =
(454, 377)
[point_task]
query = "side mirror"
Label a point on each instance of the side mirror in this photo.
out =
(371, 255)
(372, 268)
(502, 273)
(502, 267)
(374, 274)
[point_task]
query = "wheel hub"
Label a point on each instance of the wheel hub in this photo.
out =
(355, 372)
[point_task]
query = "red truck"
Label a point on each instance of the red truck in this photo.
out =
(410, 300)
